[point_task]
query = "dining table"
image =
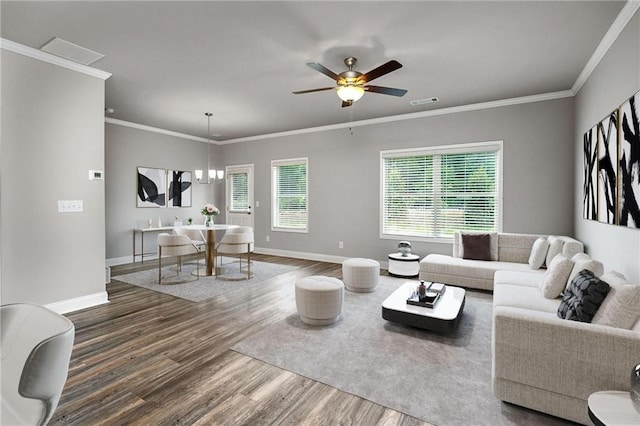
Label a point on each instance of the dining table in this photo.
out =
(210, 243)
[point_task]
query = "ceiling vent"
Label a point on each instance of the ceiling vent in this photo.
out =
(72, 52)
(425, 101)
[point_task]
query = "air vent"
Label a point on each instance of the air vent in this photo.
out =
(72, 52)
(425, 101)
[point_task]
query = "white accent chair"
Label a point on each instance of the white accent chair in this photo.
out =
(237, 241)
(175, 246)
(36, 349)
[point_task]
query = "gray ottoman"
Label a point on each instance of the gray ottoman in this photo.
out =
(360, 275)
(319, 299)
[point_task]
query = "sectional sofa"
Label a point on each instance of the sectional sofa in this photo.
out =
(539, 360)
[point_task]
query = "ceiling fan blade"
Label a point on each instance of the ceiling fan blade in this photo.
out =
(385, 90)
(347, 103)
(381, 70)
(313, 90)
(324, 70)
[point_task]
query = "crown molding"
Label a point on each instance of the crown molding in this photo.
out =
(411, 116)
(156, 130)
(39, 55)
(621, 21)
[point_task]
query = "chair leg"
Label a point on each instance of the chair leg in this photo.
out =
(248, 261)
(160, 265)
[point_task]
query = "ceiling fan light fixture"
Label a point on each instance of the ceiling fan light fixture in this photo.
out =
(350, 93)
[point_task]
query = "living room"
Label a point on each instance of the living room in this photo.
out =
(57, 135)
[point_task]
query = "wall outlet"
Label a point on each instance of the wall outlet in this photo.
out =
(257, 204)
(268, 238)
(340, 244)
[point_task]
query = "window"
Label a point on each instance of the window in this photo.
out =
(238, 191)
(429, 193)
(289, 194)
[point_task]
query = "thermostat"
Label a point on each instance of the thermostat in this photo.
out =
(96, 175)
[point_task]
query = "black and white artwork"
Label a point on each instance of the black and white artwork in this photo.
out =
(590, 194)
(151, 187)
(607, 168)
(630, 163)
(179, 188)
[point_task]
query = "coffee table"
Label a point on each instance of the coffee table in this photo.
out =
(444, 317)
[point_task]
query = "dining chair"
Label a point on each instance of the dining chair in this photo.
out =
(175, 246)
(36, 349)
(237, 241)
(195, 235)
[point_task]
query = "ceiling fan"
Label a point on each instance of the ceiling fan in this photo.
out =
(352, 84)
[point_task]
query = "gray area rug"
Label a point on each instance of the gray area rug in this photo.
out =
(187, 286)
(440, 379)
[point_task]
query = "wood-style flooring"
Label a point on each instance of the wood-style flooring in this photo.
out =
(148, 358)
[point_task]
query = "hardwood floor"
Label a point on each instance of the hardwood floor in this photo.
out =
(152, 359)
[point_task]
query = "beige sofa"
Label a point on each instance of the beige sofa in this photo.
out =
(511, 251)
(551, 364)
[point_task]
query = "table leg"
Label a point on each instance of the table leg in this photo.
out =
(211, 251)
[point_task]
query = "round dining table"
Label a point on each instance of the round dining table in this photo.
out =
(210, 237)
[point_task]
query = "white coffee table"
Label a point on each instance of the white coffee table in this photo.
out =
(444, 317)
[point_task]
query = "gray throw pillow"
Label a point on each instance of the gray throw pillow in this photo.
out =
(583, 297)
(476, 246)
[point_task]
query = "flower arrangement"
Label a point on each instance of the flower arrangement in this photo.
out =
(209, 210)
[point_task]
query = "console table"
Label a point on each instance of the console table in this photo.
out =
(143, 231)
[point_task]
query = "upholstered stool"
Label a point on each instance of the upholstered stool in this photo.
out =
(360, 275)
(319, 299)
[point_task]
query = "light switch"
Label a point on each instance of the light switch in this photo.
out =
(70, 206)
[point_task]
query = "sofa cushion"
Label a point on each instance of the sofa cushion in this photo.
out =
(555, 278)
(455, 266)
(584, 261)
(458, 250)
(555, 248)
(538, 253)
(476, 246)
(583, 297)
(526, 278)
(524, 297)
(621, 307)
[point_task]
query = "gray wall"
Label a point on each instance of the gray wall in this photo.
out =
(126, 149)
(344, 175)
(52, 135)
(616, 78)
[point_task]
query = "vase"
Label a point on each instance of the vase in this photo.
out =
(209, 221)
(635, 387)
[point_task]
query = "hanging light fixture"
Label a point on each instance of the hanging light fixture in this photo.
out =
(212, 174)
(350, 92)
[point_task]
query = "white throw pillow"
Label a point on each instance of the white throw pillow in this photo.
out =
(555, 278)
(621, 307)
(583, 261)
(555, 248)
(538, 253)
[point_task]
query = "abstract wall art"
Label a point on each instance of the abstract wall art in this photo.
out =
(151, 187)
(629, 172)
(179, 188)
(590, 194)
(608, 169)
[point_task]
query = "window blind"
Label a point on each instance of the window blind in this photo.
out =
(431, 193)
(239, 192)
(289, 195)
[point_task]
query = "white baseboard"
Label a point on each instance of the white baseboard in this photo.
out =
(309, 256)
(77, 303)
(127, 259)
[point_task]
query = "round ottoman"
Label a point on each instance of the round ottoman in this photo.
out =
(319, 299)
(360, 275)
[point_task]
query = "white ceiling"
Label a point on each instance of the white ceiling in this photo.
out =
(173, 61)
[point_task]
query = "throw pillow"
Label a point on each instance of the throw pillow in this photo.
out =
(476, 246)
(538, 253)
(555, 278)
(621, 307)
(583, 297)
(583, 261)
(555, 248)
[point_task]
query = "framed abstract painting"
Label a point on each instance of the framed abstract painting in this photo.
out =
(151, 187)
(629, 170)
(590, 194)
(608, 169)
(179, 188)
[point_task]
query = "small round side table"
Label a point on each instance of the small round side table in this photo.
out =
(407, 266)
(612, 408)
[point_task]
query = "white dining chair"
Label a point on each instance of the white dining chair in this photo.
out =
(237, 241)
(175, 246)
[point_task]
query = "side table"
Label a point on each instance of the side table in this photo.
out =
(407, 266)
(612, 408)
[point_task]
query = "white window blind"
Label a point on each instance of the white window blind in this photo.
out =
(289, 202)
(430, 193)
(238, 192)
